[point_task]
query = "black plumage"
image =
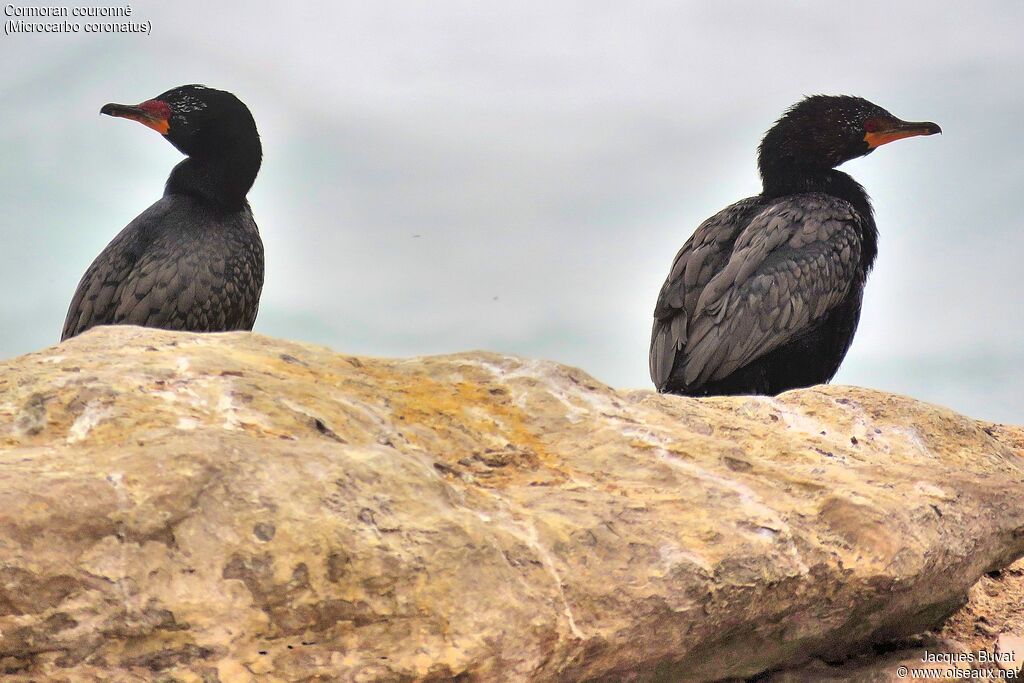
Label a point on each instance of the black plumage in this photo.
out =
(194, 259)
(766, 294)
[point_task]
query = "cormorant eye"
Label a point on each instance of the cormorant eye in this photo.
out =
(870, 126)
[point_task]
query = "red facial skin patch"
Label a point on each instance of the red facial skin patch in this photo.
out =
(158, 109)
(158, 115)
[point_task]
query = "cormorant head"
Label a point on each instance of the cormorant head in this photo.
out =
(201, 122)
(823, 131)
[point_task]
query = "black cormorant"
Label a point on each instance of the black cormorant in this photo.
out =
(766, 294)
(194, 259)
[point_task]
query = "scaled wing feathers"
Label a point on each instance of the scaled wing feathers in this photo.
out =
(741, 289)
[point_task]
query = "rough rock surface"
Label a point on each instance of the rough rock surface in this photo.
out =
(995, 609)
(919, 659)
(234, 507)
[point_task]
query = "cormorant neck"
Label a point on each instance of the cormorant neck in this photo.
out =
(827, 181)
(222, 179)
(834, 183)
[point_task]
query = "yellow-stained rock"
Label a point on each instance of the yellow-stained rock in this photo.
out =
(233, 507)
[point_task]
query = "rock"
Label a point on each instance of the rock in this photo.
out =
(979, 637)
(926, 658)
(230, 506)
(1010, 651)
(994, 611)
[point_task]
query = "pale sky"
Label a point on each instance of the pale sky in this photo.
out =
(517, 176)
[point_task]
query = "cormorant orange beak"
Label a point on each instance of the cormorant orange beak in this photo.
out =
(890, 130)
(151, 113)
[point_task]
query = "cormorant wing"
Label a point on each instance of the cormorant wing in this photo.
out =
(119, 288)
(719, 310)
(164, 270)
(701, 257)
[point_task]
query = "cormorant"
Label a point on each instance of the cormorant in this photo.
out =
(766, 294)
(194, 259)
